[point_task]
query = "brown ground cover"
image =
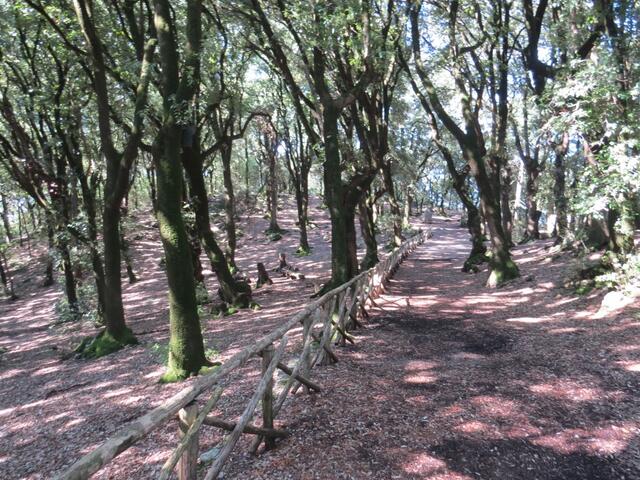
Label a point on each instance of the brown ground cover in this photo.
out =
(448, 380)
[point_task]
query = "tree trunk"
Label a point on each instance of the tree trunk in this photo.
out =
(302, 204)
(21, 227)
(118, 166)
(32, 216)
(393, 204)
(532, 231)
(89, 206)
(232, 292)
(186, 348)
(151, 178)
(126, 255)
(246, 173)
(505, 203)
(560, 198)
(342, 269)
(113, 307)
(352, 246)
(48, 273)
(70, 289)
(503, 268)
(229, 204)
(474, 224)
(367, 227)
(5, 218)
(5, 277)
(406, 213)
(273, 190)
(628, 214)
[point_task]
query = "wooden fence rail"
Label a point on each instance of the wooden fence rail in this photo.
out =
(326, 322)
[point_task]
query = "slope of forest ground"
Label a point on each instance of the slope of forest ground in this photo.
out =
(53, 407)
(447, 380)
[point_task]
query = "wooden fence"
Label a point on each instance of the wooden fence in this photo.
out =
(325, 323)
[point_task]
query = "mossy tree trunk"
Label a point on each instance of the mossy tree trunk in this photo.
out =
(229, 203)
(233, 292)
(459, 179)
(186, 348)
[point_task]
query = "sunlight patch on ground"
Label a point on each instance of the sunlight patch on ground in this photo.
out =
(528, 319)
(72, 423)
(560, 331)
(468, 356)
(419, 372)
(420, 378)
(496, 407)
(423, 464)
(522, 431)
(45, 371)
(629, 366)
(12, 372)
(117, 393)
(6, 412)
(626, 348)
(573, 391)
(474, 426)
(604, 440)
(626, 326)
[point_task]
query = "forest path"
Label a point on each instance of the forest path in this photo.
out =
(451, 380)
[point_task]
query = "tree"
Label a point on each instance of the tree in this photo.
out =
(118, 162)
(484, 167)
(317, 47)
(186, 347)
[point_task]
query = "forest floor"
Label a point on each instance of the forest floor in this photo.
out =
(451, 380)
(447, 380)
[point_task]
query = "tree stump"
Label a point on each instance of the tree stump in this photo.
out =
(263, 276)
(287, 270)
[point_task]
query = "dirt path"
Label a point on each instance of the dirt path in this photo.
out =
(450, 380)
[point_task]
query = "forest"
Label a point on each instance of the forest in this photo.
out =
(434, 203)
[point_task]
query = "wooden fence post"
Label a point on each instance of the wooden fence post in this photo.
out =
(267, 397)
(188, 464)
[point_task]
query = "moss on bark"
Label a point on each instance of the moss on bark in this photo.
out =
(502, 272)
(105, 343)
